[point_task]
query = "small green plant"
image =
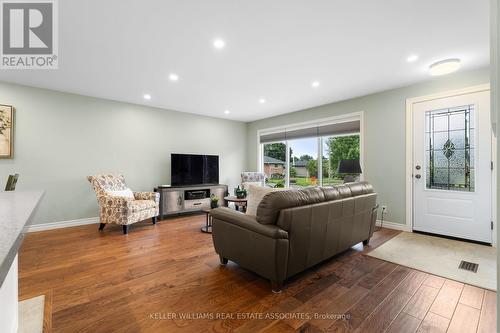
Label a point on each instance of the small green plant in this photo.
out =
(280, 184)
(214, 201)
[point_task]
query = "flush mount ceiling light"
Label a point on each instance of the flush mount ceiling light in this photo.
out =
(173, 77)
(412, 58)
(315, 84)
(262, 100)
(147, 97)
(219, 44)
(227, 112)
(443, 67)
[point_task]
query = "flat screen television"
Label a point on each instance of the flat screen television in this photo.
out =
(188, 169)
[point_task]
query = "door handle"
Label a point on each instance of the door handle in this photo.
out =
(418, 176)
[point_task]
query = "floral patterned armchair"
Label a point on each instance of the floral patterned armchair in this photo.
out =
(121, 209)
(254, 178)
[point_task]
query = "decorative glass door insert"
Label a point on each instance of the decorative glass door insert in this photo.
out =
(449, 142)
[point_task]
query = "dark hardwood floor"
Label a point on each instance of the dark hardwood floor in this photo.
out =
(167, 278)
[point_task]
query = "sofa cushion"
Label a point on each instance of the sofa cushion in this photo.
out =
(125, 193)
(272, 203)
(138, 205)
(314, 195)
(360, 188)
(331, 193)
(246, 185)
(344, 191)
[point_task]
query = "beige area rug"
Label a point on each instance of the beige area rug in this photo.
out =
(31, 315)
(441, 256)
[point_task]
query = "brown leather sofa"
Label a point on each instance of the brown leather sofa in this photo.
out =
(295, 229)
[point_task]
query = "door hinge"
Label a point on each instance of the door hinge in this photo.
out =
(491, 225)
(491, 165)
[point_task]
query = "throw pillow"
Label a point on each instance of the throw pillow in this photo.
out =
(126, 193)
(246, 185)
(255, 195)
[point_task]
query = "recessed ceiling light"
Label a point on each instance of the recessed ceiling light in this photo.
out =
(443, 67)
(315, 84)
(219, 43)
(262, 100)
(227, 112)
(173, 77)
(412, 58)
(147, 96)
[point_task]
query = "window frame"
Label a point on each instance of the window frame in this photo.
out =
(355, 116)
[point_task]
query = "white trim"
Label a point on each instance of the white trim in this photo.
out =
(409, 142)
(494, 178)
(393, 225)
(316, 122)
(61, 224)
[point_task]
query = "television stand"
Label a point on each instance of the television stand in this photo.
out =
(185, 199)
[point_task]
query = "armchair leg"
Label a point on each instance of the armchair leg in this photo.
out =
(223, 261)
(154, 219)
(101, 226)
(125, 229)
(276, 286)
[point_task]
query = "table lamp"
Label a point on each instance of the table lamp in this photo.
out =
(349, 168)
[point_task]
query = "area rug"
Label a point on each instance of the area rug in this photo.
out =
(442, 257)
(31, 315)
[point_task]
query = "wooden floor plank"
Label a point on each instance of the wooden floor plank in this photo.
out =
(404, 323)
(108, 282)
(472, 296)
(420, 303)
(433, 323)
(447, 299)
(434, 281)
(488, 320)
(382, 318)
(465, 319)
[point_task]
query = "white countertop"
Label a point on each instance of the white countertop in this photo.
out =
(16, 210)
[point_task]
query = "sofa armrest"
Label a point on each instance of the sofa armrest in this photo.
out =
(248, 222)
(116, 202)
(147, 196)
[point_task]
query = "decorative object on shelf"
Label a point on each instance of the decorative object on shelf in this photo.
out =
(214, 201)
(350, 168)
(6, 131)
(240, 193)
(11, 182)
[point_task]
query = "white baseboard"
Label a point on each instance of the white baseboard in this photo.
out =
(393, 225)
(61, 224)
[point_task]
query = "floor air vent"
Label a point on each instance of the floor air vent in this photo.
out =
(468, 266)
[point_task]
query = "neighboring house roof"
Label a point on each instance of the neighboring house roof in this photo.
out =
(300, 164)
(272, 160)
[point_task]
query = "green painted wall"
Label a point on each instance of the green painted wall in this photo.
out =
(61, 138)
(384, 121)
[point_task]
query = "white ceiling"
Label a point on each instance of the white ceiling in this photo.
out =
(121, 50)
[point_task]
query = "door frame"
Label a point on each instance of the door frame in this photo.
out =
(409, 153)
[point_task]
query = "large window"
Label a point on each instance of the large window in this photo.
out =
(303, 162)
(274, 163)
(335, 149)
(290, 158)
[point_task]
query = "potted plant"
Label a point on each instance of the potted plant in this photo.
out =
(214, 201)
(241, 193)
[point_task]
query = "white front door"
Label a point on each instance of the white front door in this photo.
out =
(452, 166)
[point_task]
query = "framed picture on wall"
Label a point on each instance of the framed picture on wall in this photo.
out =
(6, 131)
